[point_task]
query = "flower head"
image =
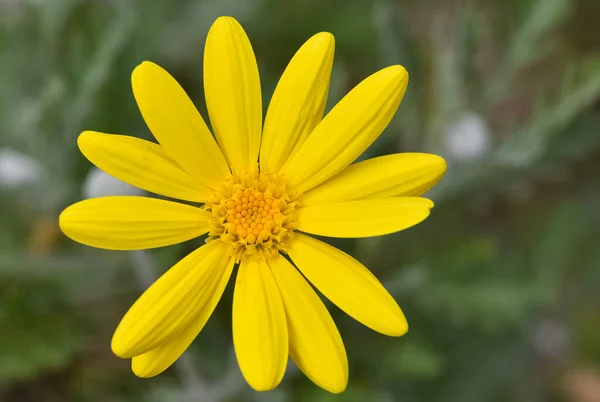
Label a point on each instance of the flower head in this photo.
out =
(262, 189)
(255, 213)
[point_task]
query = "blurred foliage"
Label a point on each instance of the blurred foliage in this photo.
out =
(500, 284)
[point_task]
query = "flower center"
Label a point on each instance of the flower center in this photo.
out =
(254, 212)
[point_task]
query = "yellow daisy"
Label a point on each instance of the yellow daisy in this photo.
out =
(261, 189)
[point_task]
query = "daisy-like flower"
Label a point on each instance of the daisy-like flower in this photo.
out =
(259, 191)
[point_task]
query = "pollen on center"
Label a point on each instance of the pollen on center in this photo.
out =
(254, 213)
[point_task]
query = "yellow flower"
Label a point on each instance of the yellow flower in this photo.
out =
(263, 189)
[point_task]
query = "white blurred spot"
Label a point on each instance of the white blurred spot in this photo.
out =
(17, 169)
(101, 184)
(468, 138)
(551, 339)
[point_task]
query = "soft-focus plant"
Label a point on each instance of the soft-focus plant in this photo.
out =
(513, 246)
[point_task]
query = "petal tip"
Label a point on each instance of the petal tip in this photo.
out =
(62, 219)
(143, 65)
(118, 349)
(395, 323)
(326, 41)
(225, 18)
(395, 75)
(226, 22)
(65, 220)
(439, 163)
(337, 384)
(119, 346)
(263, 384)
(143, 370)
(398, 69)
(400, 328)
(85, 135)
(324, 37)
(148, 64)
(141, 69)
(338, 388)
(86, 138)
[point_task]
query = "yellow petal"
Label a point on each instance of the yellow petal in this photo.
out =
(140, 163)
(348, 284)
(177, 125)
(260, 335)
(171, 304)
(363, 218)
(232, 91)
(132, 223)
(298, 101)
(397, 175)
(315, 343)
(348, 129)
(158, 360)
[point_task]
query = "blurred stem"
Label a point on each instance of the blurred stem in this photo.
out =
(395, 46)
(524, 48)
(114, 42)
(528, 145)
(145, 272)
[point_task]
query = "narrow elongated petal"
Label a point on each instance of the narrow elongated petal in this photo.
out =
(177, 125)
(170, 305)
(298, 101)
(260, 334)
(397, 175)
(140, 163)
(348, 284)
(315, 343)
(232, 91)
(348, 129)
(132, 223)
(363, 218)
(161, 358)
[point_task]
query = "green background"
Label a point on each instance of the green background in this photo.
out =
(500, 284)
